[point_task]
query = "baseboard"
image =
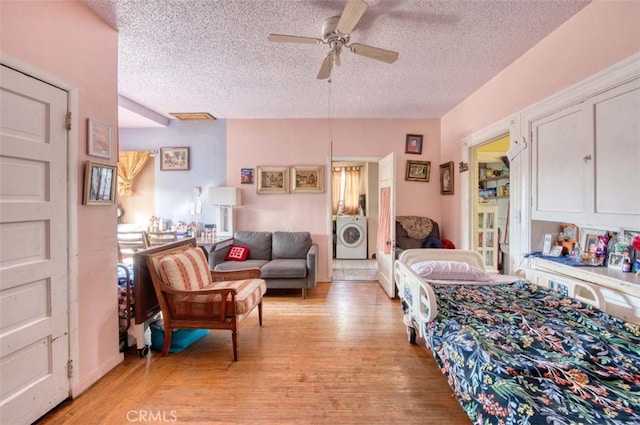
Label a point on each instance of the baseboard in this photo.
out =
(94, 377)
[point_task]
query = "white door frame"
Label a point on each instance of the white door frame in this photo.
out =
(510, 125)
(329, 185)
(72, 187)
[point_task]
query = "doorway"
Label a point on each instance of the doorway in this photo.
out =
(491, 219)
(354, 213)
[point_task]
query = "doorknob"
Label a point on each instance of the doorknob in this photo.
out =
(387, 243)
(586, 158)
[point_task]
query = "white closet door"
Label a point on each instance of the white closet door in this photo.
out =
(34, 323)
(559, 169)
(614, 117)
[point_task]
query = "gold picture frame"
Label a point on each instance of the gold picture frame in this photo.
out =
(98, 139)
(307, 179)
(446, 178)
(99, 184)
(174, 159)
(418, 171)
(272, 180)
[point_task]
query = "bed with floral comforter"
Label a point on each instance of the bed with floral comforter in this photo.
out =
(520, 354)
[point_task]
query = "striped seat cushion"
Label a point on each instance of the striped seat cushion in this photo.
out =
(186, 270)
(249, 293)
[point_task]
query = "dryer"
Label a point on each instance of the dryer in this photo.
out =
(351, 232)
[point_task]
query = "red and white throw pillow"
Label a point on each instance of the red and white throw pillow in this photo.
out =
(237, 253)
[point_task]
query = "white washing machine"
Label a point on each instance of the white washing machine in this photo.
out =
(351, 235)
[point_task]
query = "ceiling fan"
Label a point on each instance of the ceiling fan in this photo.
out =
(336, 32)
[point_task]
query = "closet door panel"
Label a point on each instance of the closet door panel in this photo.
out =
(558, 149)
(616, 142)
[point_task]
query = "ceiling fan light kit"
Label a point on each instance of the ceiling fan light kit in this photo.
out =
(336, 32)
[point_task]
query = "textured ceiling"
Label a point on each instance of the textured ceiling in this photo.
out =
(214, 56)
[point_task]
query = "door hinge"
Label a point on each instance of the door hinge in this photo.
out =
(68, 120)
(69, 369)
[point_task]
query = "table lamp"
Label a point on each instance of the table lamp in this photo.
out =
(225, 198)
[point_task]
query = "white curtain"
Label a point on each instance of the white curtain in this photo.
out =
(351, 190)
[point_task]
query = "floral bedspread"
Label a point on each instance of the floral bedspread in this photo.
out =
(520, 354)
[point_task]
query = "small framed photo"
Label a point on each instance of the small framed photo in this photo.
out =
(418, 171)
(570, 232)
(174, 159)
(413, 144)
(591, 243)
(98, 139)
(615, 261)
(272, 179)
(446, 178)
(306, 178)
(246, 176)
(99, 184)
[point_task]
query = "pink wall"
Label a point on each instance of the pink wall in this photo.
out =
(602, 34)
(306, 142)
(66, 40)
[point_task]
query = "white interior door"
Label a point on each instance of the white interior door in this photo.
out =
(34, 324)
(385, 252)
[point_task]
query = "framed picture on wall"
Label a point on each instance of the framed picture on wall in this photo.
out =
(98, 139)
(99, 184)
(413, 144)
(305, 178)
(446, 178)
(174, 159)
(272, 179)
(246, 176)
(418, 171)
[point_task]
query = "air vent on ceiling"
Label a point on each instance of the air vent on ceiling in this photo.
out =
(193, 116)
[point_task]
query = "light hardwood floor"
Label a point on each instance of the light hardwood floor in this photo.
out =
(340, 356)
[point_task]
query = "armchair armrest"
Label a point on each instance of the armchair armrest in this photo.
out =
(239, 274)
(226, 309)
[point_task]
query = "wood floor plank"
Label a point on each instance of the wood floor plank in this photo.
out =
(339, 356)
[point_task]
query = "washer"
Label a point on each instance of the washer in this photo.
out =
(351, 231)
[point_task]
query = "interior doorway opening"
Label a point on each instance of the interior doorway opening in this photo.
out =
(354, 218)
(490, 222)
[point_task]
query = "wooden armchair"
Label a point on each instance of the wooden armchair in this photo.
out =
(192, 296)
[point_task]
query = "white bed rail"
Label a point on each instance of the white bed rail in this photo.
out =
(417, 295)
(577, 289)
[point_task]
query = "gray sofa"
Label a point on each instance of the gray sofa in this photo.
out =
(287, 260)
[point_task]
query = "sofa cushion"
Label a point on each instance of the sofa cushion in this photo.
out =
(186, 270)
(259, 244)
(285, 269)
(236, 265)
(289, 245)
(237, 253)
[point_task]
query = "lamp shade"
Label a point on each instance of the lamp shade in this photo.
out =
(224, 196)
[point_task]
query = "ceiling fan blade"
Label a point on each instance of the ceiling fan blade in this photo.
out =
(279, 38)
(325, 68)
(388, 56)
(353, 11)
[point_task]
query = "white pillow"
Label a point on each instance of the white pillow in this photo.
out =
(449, 270)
